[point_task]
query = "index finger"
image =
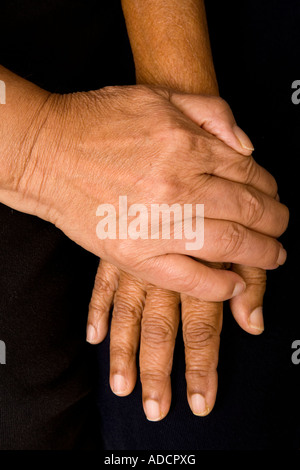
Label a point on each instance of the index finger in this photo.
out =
(225, 162)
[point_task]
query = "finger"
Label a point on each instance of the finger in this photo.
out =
(244, 170)
(225, 242)
(106, 283)
(125, 333)
(185, 275)
(226, 164)
(247, 307)
(245, 205)
(201, 323)
(215, 116)
(159, 330)
(230, 242)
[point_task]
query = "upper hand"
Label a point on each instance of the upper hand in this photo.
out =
(118, 141)
(147, 316)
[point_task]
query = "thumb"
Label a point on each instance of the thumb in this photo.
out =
(214, 115)
(247, 307)
(185, 275)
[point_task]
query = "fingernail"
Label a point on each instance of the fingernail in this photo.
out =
(152, 410)
(282, 256)
(199, 407)
(243, 138)
(256, 319)
(238, 289)
(91, 334)
(119, 384)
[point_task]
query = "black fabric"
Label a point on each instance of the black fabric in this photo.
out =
(46, 280)
(46, 387)
(256, 48)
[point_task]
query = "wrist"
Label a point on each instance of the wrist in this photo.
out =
(32, 147)
(21, 119)
(202, 83)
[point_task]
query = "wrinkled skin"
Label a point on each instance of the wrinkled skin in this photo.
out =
(117, 141)
(149, 316)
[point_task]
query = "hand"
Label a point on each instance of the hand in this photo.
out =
(147, 317)
(159, 312)
(118, 141)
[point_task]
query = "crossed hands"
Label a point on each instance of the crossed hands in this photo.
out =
(154, 146)
(145, 318)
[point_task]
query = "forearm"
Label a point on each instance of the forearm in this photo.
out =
(20, 117)
(170, 44)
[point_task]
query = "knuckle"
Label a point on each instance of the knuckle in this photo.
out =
(127, 310)
(252, 276)
(233, 238)
(254, 173)
(195, 374)
(158, 298)
(155, 377)
(250, 170)
(273, 186)
(191, 283)
(275, 253)
(176, 138)
(130, 287)
(168, 188)
(103, 286)
(258, 283)
(284, 219)
(252, 206)
(97, 309)
(199, 335)
(157, 331)
(177, 135)
(272, 254)
(220, 104)
(122, 352)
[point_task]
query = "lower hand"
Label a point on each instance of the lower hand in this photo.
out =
(147, 316)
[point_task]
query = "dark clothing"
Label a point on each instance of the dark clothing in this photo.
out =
(46, 280)
(46, 387)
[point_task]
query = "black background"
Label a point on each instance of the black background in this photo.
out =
(46, 280)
